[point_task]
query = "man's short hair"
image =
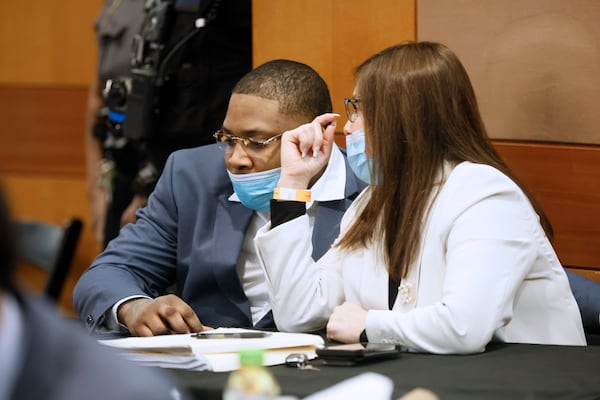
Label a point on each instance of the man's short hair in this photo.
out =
(298, 88)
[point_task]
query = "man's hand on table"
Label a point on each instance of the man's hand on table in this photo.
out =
(162, 315)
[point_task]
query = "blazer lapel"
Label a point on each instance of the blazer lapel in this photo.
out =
(229, 235)
(327, 226)
(329, 215)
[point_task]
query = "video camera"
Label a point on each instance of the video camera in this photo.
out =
(149, 61)
(147, 54)
(131, 104)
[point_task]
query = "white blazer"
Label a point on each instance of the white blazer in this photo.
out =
(485, 271)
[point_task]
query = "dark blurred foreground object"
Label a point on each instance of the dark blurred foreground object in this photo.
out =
(44, 356)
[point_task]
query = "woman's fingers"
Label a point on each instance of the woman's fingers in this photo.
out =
(312, 137)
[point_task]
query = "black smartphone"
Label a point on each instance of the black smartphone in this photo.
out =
(357, 353)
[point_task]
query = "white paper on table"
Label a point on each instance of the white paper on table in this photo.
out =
(222, 354)
(368, 385)
(190, 362)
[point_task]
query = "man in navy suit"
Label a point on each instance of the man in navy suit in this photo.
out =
(197, 230)
(46, 357)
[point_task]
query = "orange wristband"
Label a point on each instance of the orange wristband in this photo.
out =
(291, 194)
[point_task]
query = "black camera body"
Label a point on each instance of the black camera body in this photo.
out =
(109, 129)
(141, 104)
(139, 95)
(147, 54)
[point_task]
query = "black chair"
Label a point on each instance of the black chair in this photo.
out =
(587, 295)
(51, 248)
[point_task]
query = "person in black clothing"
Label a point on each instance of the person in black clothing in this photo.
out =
(196, 56)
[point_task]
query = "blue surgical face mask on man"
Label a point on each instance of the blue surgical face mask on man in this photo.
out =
(255, 190)
(359, 162)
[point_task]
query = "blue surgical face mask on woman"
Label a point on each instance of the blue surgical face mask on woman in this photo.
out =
(255, 190)
(360, 163)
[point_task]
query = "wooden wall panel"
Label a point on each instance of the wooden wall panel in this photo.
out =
(48, 59)
(47, 42)
(593, 274)
(43, 130)
(331, 36)
(566, 181)
(535, 64)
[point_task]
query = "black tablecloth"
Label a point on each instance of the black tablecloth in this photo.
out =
(503, 371)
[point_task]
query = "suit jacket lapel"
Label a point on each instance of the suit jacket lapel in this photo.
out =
(329, 215)
(327, 226)
(229, 235)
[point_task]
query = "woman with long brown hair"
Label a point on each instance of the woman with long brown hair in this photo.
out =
(444, 251)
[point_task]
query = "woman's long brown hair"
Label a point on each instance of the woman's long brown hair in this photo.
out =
(419, 110)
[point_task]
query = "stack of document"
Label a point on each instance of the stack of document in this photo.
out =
(216, 350)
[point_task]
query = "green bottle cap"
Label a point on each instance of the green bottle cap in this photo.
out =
(251, 357)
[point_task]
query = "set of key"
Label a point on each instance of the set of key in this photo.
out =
(300, 361)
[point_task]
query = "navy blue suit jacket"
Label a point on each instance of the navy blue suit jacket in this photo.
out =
(190, 234)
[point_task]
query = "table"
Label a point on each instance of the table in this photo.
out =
(503, 371)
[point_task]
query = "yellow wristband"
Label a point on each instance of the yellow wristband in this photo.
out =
(291, 194)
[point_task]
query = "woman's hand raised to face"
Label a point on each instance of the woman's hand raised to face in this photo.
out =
(305, 151)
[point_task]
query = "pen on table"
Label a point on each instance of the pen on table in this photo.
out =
(230, 335)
